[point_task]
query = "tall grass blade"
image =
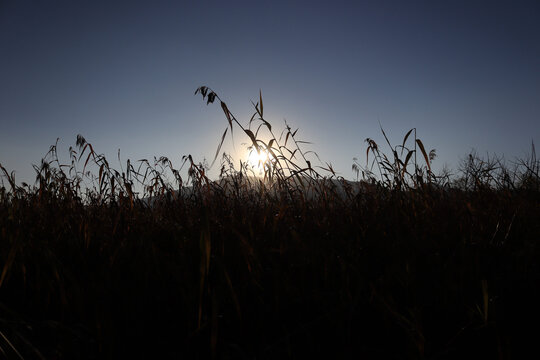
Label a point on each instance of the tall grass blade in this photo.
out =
(423, 150)
(219, 146)
(261, 103)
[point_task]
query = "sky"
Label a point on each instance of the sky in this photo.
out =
(465, 74)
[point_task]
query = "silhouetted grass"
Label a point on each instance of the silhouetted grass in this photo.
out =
(105, 263)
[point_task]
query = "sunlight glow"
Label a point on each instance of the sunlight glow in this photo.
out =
(257, 160)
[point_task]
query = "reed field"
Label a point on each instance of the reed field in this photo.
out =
(291, 261)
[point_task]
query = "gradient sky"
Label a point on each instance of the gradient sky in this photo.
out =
(466, 74)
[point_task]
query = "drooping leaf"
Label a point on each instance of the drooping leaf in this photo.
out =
(227, 114)
(405, 140)
(211, 98)
(88, 158)
(253, 139)
(407, 158)
(203, 90)
(423, 150)
(268, 125)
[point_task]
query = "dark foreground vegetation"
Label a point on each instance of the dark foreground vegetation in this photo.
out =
(404, 264)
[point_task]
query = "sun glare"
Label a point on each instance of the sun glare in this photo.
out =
(257, 160)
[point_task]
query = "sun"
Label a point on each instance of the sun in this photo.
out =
(257, 159)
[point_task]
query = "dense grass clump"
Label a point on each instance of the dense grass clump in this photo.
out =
(105, 263)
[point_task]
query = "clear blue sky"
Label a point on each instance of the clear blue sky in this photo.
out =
(466, 74)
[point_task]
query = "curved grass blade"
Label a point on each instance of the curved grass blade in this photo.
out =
(423, 150)
(405, 140)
